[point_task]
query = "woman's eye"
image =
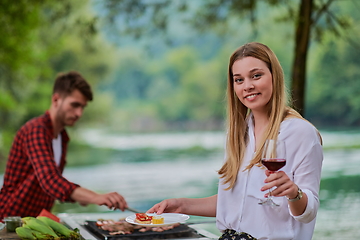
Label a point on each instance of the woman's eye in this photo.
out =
(238, 80)
(257, 75)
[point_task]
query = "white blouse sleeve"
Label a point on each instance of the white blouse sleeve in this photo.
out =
(305, 155)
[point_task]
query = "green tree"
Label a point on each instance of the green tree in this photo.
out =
(179, 90)
(309, 18)
(39, 39)
(334, 85)
(333, 90)
(200, 90)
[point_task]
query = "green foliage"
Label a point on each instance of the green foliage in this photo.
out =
(180, 88)
(83, 155)
(224, 17)
(197, 88)
(177, 90)
(40, 39)
(154, 155)
(147, 85)
(333, 90)
(20, 57)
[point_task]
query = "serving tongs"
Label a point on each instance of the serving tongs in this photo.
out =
(132, 210)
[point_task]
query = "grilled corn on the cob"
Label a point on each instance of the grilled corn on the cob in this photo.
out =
(37, 225)
(59, 228)
(25, 233)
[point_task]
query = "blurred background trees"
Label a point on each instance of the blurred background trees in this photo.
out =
(39, 39)
(310, 18)
(160, 65)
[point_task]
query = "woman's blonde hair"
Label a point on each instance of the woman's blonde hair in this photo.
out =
(237, 112)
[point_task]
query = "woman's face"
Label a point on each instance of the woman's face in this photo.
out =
(252, 81)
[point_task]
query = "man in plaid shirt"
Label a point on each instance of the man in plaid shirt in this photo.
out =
(33, 177)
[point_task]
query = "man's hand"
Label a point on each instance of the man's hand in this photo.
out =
(112, 200)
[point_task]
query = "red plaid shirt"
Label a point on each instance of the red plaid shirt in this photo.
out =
(32, 180)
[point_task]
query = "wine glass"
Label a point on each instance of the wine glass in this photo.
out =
(273, 158)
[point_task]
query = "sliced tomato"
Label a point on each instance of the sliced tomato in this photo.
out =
(143, 217)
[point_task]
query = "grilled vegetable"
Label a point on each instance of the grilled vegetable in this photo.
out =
(25, 233)
(38, 225)
(59, 228)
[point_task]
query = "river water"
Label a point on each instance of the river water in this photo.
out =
(146, 169)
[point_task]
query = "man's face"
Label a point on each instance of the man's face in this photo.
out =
(70, 108)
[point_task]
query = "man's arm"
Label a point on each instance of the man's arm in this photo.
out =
(38, 148)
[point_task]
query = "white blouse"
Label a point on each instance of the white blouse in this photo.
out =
(238, 208)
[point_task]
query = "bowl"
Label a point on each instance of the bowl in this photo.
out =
(12, 222)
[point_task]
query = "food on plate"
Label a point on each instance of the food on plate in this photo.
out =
(143, 218)
(157, 220)
(116, 227)
(122, 227)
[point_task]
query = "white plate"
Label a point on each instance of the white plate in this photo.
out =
(169, 219)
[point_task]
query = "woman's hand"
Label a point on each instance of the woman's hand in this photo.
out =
(284, 186)
(172, 205)
(205, 207)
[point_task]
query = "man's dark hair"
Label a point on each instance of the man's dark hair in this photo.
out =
(66, 83)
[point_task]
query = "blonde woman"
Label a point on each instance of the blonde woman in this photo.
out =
(257, 110)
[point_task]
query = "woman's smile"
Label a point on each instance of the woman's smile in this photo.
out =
(252, 97)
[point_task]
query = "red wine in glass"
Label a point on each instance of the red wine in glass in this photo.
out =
(273, 164)
(273, 158)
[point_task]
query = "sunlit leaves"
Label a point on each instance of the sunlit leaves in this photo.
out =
(40, 38)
